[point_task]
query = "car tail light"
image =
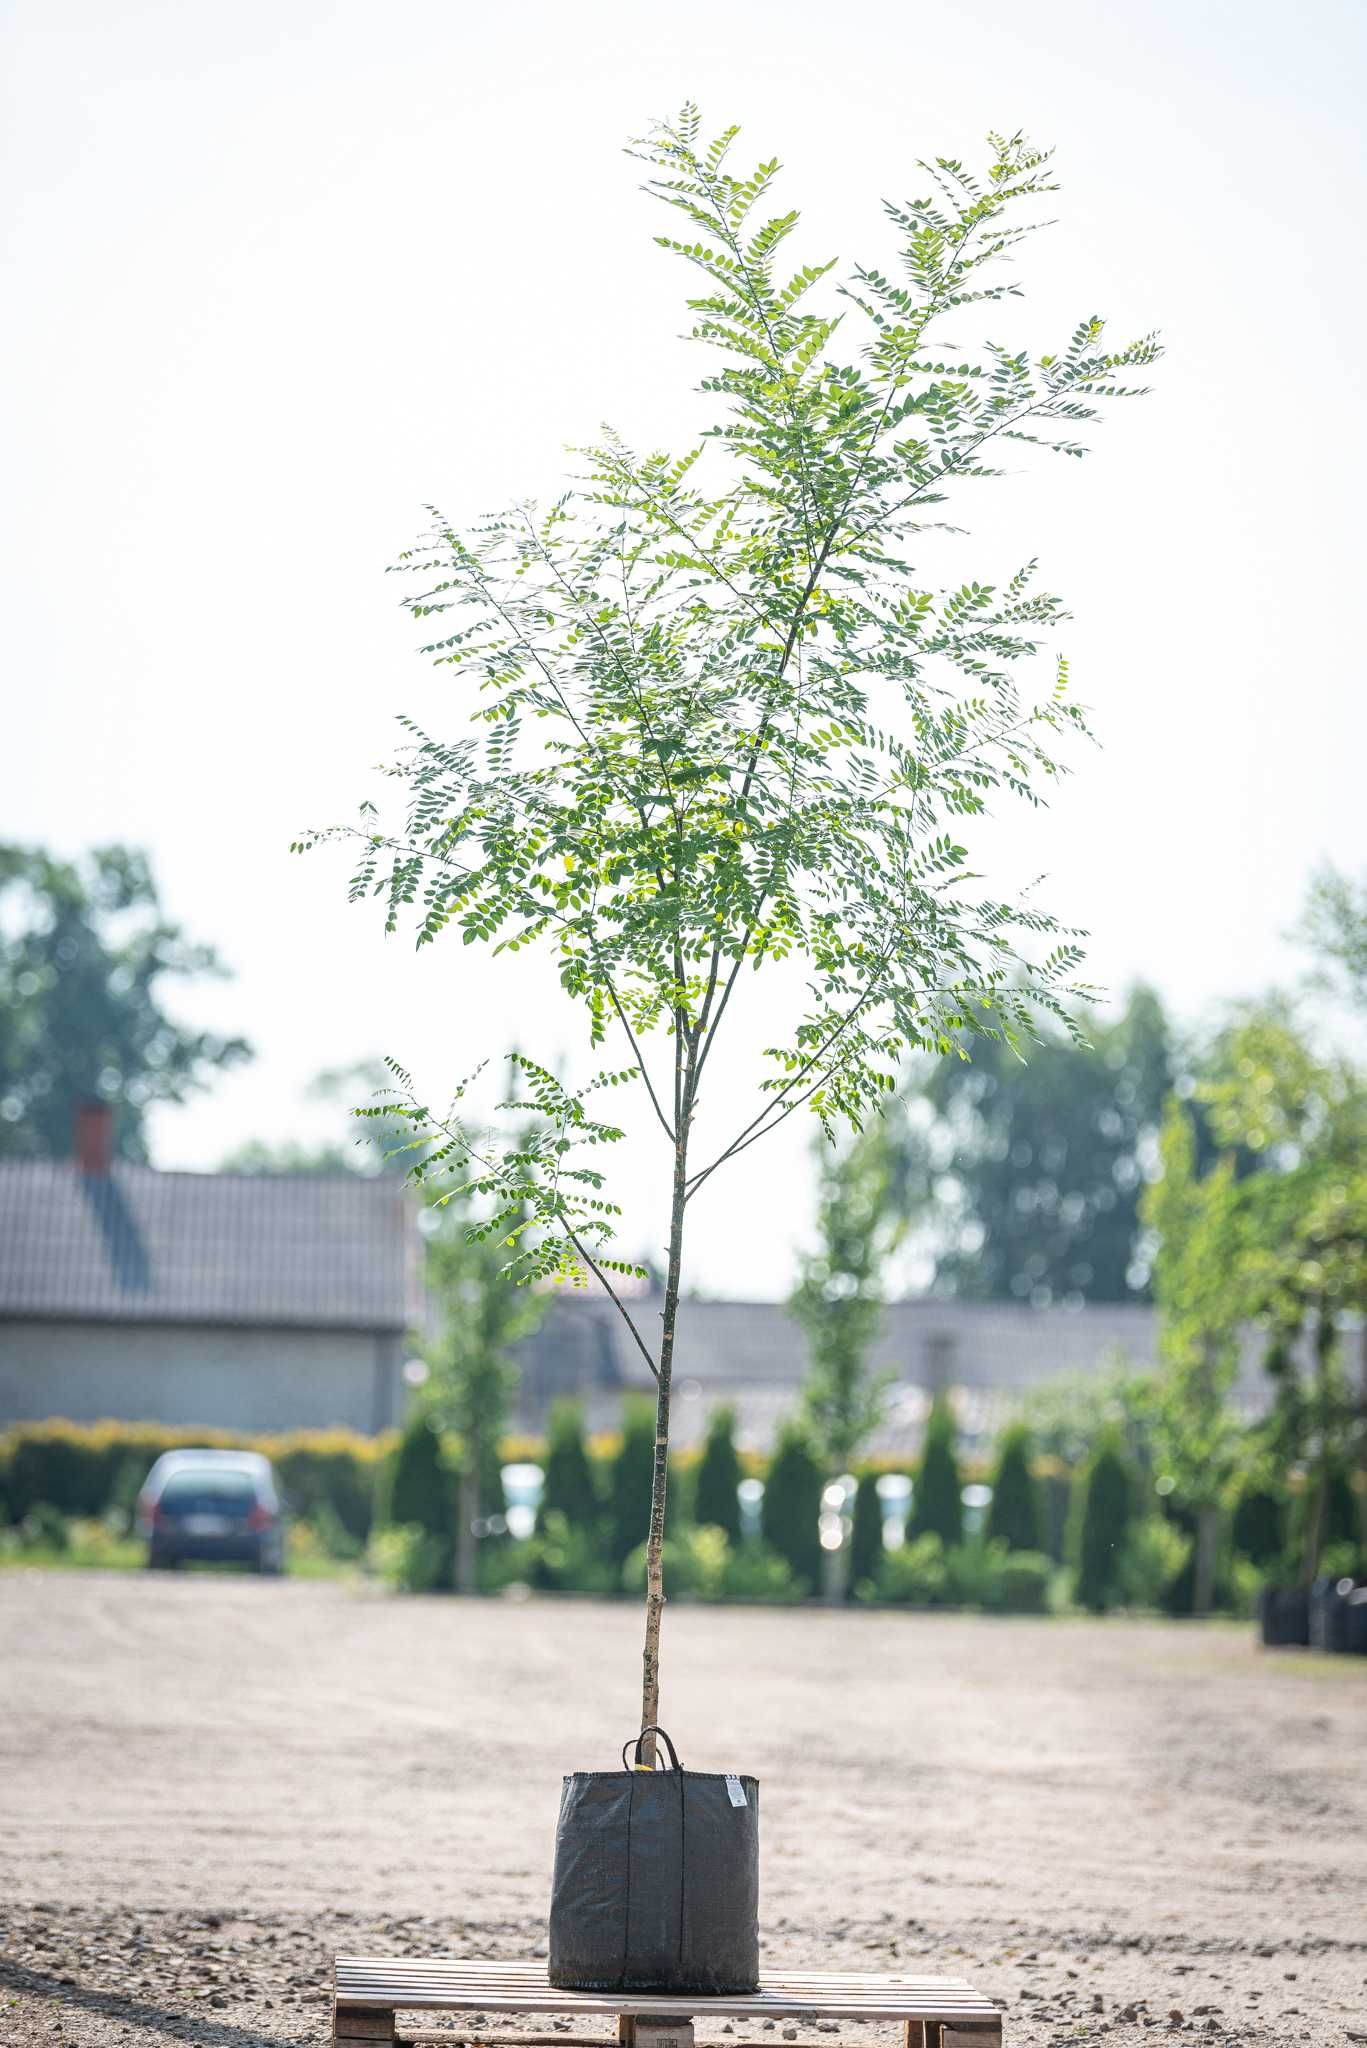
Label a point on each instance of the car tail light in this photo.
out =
(259, 1517)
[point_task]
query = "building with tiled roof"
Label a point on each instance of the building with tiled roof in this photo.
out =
(752, 1355)
(251, 1301)
(281, 1301)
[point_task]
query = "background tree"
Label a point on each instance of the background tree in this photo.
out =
(86, 954)
(1067, 1416)
(1285, 1244)
(1015, 1516)
(1104, 1507)
(471, 1375)
(1334, 930)
(1025, 1178)
(937, 1507)
(839, 1296)
(1197, 1436)
(1302, 1270)
(790, 1513)
(721, 721)
(716, 1496)
(417, 1490)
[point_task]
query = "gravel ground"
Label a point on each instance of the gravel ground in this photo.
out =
(209, 1784)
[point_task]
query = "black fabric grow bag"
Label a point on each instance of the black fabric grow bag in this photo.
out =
(1285, 1615)
(656, 1884)
(1329, 1614)
(1356, 1632)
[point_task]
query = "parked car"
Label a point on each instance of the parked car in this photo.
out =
(214, 1506)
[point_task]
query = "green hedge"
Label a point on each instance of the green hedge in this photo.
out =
(89, 1469)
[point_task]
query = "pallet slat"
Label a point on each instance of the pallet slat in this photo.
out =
(915, 2003)
(535, 1973)
(915, 2006)
(459, 1984)
(802, 1997)
(580, 2001)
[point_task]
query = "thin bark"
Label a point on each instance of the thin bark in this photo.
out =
(685, 1065)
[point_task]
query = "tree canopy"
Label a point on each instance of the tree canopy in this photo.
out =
(1025, 1177)
(85, 958)
(723, 714)
(1272, 1233)
(718, 727)
(839, 1296)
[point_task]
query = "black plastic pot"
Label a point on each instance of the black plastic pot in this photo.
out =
(1284, 1616)
(1355, 1627)
(1329, 1614)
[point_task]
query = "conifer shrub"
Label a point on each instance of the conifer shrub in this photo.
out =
(1103, 1509)
(569, 1487)
(716, 1497)
(791, 1511)
(1016, 1516)
(417, 1491)
(937, 1503)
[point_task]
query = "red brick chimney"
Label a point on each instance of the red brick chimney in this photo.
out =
(93, 1136)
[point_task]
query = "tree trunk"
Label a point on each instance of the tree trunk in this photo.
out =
(659, 1478)
(1325, 1336)
(467, 1514)
(1314, 1527)
(1362, 1441)
(1207, 1551)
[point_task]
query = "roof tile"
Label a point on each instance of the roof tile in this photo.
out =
(135, 1245)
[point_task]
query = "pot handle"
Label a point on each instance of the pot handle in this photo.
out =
(653, 1729)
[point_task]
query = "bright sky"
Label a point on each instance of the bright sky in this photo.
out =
(280, 275)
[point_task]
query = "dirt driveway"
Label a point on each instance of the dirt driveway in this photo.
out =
(208, 1784)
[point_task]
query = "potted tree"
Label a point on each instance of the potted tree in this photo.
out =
(719, 722)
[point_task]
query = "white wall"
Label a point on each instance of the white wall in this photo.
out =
(179, 1373)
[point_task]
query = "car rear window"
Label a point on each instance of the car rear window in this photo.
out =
(208, 1493)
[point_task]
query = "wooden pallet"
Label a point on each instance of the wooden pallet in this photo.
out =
(934, 2012)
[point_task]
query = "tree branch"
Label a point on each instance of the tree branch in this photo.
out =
(601, 1277)
(641, 1064)
(794, 1081)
